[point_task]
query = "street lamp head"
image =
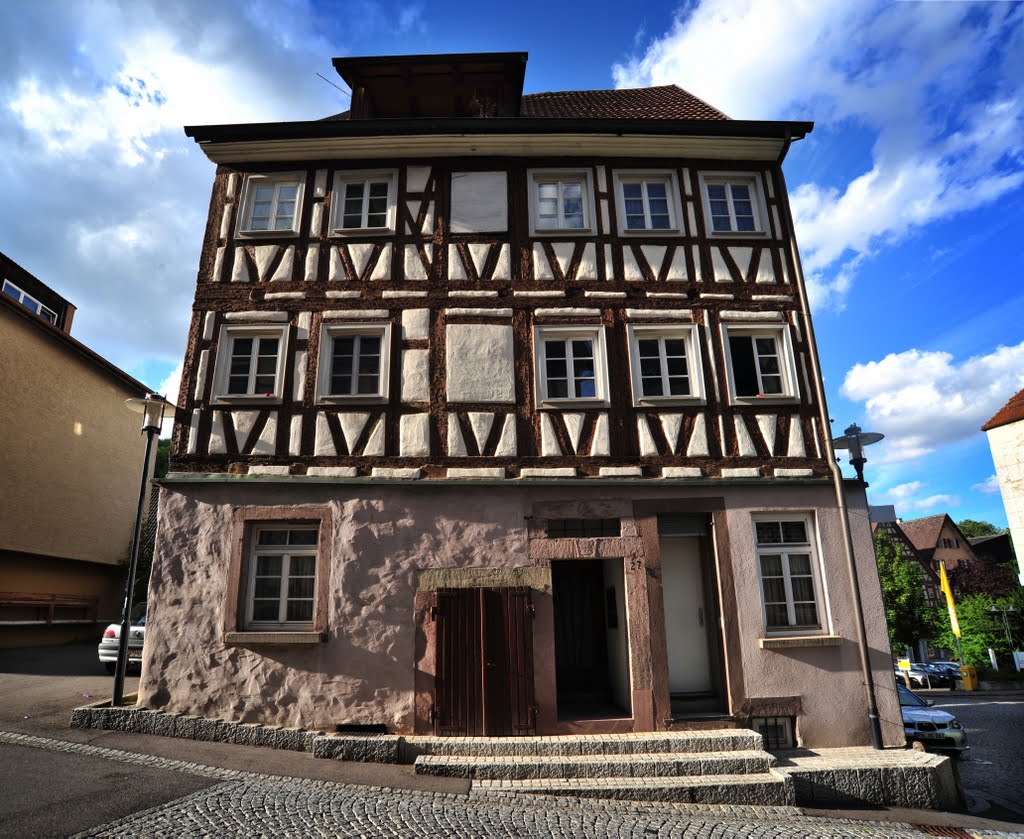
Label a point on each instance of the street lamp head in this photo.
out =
(854, 439)
(154, 409)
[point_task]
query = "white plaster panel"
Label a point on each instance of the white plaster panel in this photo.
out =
(208, 321)
(765, 269)
(324, 443)
(395, 474)
(774, 298)
(574, 426)
(267, 442)
(588, 263)
(428, 220)
(359, 255)
(415, 376)
(691, 218)
(479, 473)
(332, 471)
(320, 183)
(414, 269)
(602, 179)
(416, 178)
(548, 441)
(681, 472)
(551, 472)
(671, 424)
(478, 313)
(695, 250)
(295, 436)
(218, 445)
(742, 472)
(659, 314)
(742, 257)
(507, 441)
(666, 295)
(746, 445)
(456, 445)
(775, 218)
(193, 432)
(538, 292)
(502, 270)
(284, 267)
(767, 423)
(721, 270)
(204, 363)
(794, 473)
(257, 317)
(415, 324)
(412, 207)
(269, 470)
(336, 270)
(284, 295)
(468, 292)
(299, 383)
(265, 254)
(568, 311)
(456, 270)
(706, 296)
(414, 435)
(316, 221)
(218, 264)
(677, 270)
(243, 422)
(225, 221)
(303, 323)
(609, 271)
(647, 446)
(375, 445)
(382, 270)
(630, 267)
(240, 268)
(620, 472)
(478, 252)
(600, 446)
(479, 202)
(563, 254)
(785, 269)
(698, 445)
(655, 256)
(541, 268)
(481, 424)
(609, 295)
(759, 317)
(350, 314)
(232, 185)
(796, 439)
(351, 427)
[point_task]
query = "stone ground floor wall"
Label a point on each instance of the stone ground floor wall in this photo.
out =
(384, 548)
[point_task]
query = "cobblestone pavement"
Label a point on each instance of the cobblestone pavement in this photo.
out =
(994, 766)
(249, 804)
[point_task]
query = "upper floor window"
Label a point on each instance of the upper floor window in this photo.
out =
(29, 302)
(560, 201)
(732, 204)
(354, 362)
(647, 202)
(271, 204)
(365, 201)
(760, 362)
(570, 364)
(282, 578)
(665, 364)
(788, 569)
(250, 363)
(949, 543)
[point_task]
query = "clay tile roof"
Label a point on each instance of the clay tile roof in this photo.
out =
(1010, 412)
(664, 102)
(924, 533)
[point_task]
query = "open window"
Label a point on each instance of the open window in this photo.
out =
(759, 359)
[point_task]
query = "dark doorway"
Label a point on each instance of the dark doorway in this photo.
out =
(589, 625)
(484, 663)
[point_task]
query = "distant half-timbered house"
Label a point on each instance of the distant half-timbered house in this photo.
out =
(501, 414)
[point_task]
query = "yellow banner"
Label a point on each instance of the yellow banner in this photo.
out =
(946, 590)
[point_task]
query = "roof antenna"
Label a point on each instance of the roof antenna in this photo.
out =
(332, 84)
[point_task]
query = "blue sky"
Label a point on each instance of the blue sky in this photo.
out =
(909, 195)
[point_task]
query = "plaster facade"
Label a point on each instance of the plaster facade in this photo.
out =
(390, 546)
(1007, 444)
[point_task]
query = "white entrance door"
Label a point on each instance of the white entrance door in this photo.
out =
(686, 624)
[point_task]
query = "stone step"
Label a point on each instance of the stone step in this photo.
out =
(573, 745)
(763, 789)
(660, 765)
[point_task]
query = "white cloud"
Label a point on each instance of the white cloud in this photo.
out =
(907, 497)
(170, 386)
(921, 400)
(903, 491)
(989, 486)
(931, 503)
(909, 72)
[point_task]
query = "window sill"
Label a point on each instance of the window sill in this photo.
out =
(570, 231)
(796, 641)
(739, 234)
(243, 398)
(562, 404)
(266, 234)
(786, 399)
(660, 401)
(344, 232)
(247, 639)
(658, 234)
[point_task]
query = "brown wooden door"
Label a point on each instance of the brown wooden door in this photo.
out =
(484, 666)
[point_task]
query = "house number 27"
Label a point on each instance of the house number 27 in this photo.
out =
(636, 564)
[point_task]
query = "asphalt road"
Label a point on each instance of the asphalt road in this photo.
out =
(994, 766)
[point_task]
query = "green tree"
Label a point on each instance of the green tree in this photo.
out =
(980, 629)
(906, 610)
(972, 529)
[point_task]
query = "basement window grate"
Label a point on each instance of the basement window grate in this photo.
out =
(777, 732)
(583, 528)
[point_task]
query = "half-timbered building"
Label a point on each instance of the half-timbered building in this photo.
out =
(501, 414)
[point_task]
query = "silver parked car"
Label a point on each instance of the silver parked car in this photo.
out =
(111, 638)
(933, 728)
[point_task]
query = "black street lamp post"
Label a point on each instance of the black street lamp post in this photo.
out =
(154, 410)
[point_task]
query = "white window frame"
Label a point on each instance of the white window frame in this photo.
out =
(569, 333)
(330, 331)
(225, 343)
(582, 176)
(689, 335)
(787, 363)
(33, 305)
(286, 552)
(750, 179)
(784, 549)
(277, 179)
(342, 178)
(675, 215)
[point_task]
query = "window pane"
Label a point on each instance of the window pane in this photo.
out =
(554, 349)
(379, 189)
(675, 346)
(368, 384)
(803, 589)
(744, 374)
(354, 191)
(806, 614)
(240, 366)
(302, 566)
(676, 366)
(265, 610)
(635, 222)
(771, 384)
(238, 384)
(768, 532)
(774, 590)
(650, 366)
(572, 191)
(547, 191)
(653, 386)
(302, 537)
(656, 189)
(558, 388)
(273, 537)
(745, 223)
(771, 565)
(586, 389)
(777, 616)
(263, 194)
(583, 368)
(288, 192)
(632, 191)
(341, 384)
(679, 386)
(301, 587)
(659, 222)
(720, 223)
(794, 531)
(264, 385)
(266, 365)
(369, 364)
(648, 347)
(300, 610)
(799, 564)
(574, 222)
(267, 587)
(716, 191)
(11, 291)
(268, 566)
(351, 221)
(557, 368)
(740, 191)
(582, 348)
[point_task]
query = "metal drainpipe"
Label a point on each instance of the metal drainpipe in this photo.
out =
(837, 480)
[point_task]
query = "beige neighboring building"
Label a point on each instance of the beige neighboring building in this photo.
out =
(1006, 439)
(70, 462)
